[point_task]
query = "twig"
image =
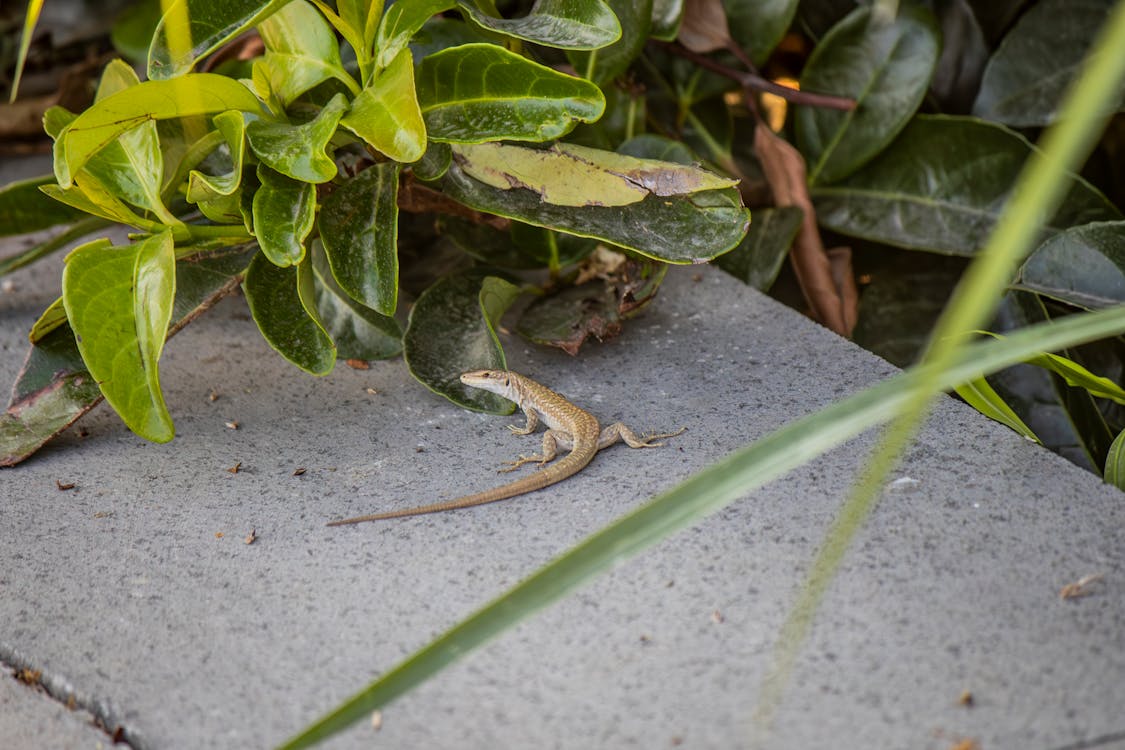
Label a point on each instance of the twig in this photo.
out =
(758, 83)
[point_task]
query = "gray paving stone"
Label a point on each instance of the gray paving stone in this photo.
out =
(137, 588)
(30, 718)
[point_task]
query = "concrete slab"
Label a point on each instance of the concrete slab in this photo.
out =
(138, 589)
(30, 718)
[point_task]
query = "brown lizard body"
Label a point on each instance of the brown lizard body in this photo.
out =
(568, 427)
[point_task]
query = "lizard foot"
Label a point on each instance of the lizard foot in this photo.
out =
(533, 459)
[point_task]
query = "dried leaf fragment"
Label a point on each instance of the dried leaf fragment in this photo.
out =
(251, 537)
(299, 471)
(358, 364)
(1081, 587)
(236, 468)
(232, 425)
(64, 486)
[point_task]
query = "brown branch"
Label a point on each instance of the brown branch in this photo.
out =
(758, 83)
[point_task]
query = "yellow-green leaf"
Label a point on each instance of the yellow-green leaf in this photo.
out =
(572, 175)
(119, 302)
(386, 113)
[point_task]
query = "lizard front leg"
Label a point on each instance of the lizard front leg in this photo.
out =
(532, 422)
(552, 441)
(618, 431)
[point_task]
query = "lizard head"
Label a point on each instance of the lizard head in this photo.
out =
(497, 381)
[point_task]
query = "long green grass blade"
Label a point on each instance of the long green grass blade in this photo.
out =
(704, 493)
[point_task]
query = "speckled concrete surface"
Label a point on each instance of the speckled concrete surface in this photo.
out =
(30, 718)
(137, 588)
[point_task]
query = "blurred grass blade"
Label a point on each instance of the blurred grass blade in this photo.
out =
(30, 18)
(702, 494)
(1115, 462)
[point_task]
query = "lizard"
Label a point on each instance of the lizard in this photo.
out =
(569, 427)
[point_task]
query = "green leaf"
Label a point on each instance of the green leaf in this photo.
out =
(400, 23)
(980, 395)
(119, 303)
(758, 258)
(1115, 462)
(301, 51)
(132, 32)
(569, 24)
(677, 229)
(102, 123)
(386, 113)
(700, 496)
(358, 331)
(452, 329)
(941, 187)
(605, 64)
(25, 208)
(359, 228)
(299, 150)
(54, 389)
(1074, 374)
(758, 25)
(886, 67)
(284, 212)
(571, 175)
(434, 162)
(192, 29)
(88, 194)
(1082, 266)
(480, 92)
(53, 317)
(131, 167)
(202, 187)
(666, 15)
(362, 16)
(1026, 78)
(279, 308)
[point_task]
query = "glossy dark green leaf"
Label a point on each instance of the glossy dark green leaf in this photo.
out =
(192, 29)
(679, 229)
(104, 121)
(886, 67)
(480, 92)
(452, 329)
(301, 51)
(941, 186)
(570, 24)
(487, 244)
(567, 318)
(284, 212)
(1027, 76)
(282, 316)
(386, 113)
(666, 15)
(400, 23)
(359, 228)
(299, 150)
(758, 258)
(132, 32)
(434, 162)
(54, 389)
(358, 331)
(605, 64)
(1083, 266)
(24, 208)
(119, 303)
(758, 25)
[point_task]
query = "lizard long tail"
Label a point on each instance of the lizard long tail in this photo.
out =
(566, 466)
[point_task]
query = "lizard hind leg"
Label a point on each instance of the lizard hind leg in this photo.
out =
(552, 439)
(618, 431)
